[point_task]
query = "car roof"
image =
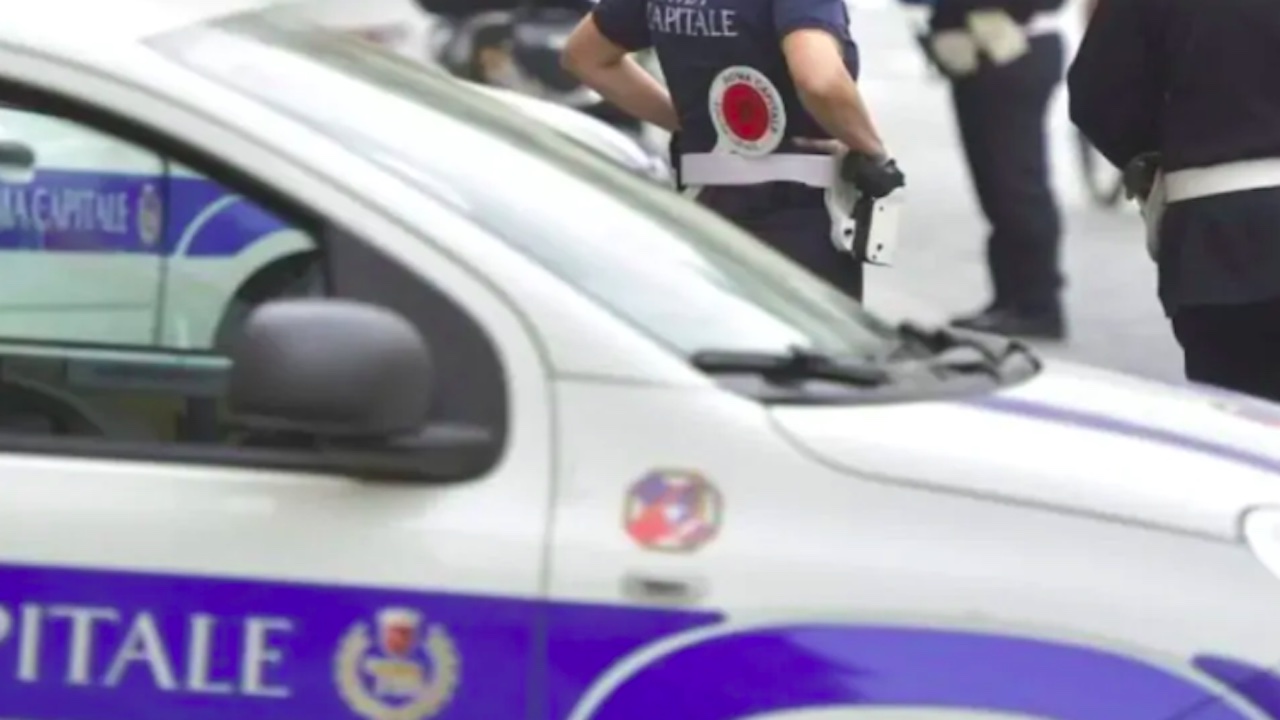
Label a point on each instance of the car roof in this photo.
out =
(64, 24)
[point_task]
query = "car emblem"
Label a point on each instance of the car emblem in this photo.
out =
(397, 669)
(673, 511)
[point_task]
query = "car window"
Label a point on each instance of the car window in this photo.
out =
(123, 277)
(676, 271)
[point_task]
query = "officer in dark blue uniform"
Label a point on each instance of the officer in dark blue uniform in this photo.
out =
(1004, 59)
(1189, 88)
(762, 92)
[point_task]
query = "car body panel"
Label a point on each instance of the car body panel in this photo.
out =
(1191, 459)
(958, 556)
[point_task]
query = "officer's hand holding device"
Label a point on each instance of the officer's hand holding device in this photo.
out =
(874, 235)
(861, 193)
(874, 177)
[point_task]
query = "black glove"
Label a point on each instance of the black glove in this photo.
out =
(873, 177)
(673, 158)
(1140, 175)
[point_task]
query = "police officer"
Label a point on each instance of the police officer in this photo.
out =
(1004, 59)
(1190, 88)
(761, 93)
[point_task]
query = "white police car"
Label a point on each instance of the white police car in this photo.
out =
(542, 440)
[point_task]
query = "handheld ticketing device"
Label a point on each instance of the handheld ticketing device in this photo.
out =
(865, 204)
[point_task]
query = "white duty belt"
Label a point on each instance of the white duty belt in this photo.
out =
(1233, 177)
(871, 238)
(990, 33)
(1195, 183)
(725, 168)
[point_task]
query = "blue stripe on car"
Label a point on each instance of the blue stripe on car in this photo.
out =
(66, 211)
(813, 665)
(87, 644)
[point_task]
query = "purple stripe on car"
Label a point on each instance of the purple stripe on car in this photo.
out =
(1115, 426)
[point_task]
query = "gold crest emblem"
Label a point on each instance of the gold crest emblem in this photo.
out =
(150, 215)
(409, 671)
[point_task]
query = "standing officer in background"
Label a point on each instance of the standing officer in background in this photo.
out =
(1189, 87)
(1004, 59)
(762, 92)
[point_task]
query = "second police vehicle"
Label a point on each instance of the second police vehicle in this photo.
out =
(508, 432)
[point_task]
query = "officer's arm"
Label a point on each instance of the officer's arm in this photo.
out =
(813, 35)
(815, 59)
(1115, 85)
(597, 54)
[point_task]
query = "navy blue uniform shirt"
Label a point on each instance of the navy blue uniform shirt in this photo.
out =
(953, 14)
(696, 39)
(1194, 80)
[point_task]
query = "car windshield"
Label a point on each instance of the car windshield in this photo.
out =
(679, 273)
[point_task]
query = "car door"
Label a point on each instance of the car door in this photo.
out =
(81, 238)
(152, 565)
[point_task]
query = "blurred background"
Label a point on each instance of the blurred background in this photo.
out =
(940, 269)
(1115, 319)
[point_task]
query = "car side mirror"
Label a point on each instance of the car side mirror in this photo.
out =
(331, 370)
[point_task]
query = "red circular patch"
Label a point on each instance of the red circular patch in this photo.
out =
(746, 111)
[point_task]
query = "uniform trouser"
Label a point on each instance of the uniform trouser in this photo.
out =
(792, 219)
(1236, 347)
(1002, 114)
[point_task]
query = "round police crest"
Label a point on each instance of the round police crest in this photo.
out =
(673, 511)
(408, 671)
(150, 215)
(747, 111)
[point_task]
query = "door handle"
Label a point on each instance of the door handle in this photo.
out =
(665, 590)
(17, 162)
(16, 155)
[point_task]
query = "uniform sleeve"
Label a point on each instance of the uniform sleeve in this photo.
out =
(624, 22)
(792, 15)
(1116, 86)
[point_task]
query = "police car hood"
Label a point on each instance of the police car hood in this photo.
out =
(1075, 438)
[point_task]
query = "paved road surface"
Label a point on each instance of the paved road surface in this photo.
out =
(940, 268)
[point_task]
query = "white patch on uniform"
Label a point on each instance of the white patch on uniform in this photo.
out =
(747, 111)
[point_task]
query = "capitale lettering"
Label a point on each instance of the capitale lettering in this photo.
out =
(105, 647)
(43, 209)
(692, 18)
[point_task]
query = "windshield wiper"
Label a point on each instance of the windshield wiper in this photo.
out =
(791, 366)
(992, 352)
